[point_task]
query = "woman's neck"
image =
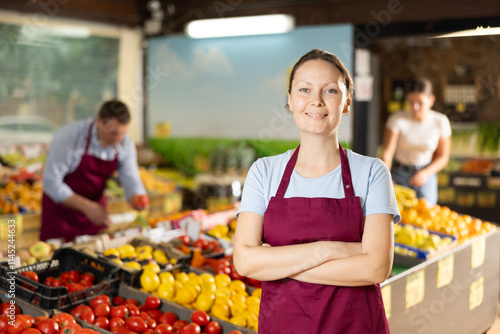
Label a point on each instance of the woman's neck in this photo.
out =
(318, 156)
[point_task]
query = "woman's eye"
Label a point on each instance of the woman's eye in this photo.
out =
(304, 90)
(331, 91)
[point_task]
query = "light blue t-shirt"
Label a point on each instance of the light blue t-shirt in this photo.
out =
(370, 177)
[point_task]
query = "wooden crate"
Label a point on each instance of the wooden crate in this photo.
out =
(27, 230)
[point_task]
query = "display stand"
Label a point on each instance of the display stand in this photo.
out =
(456, 292)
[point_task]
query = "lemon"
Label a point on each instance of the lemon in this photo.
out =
(206, 277)
(144, 256)
(222, 280)
(144, 249)
(126, 250)
(167, 277)
(237, 286)
(205, 301)
(185, 295)
(252, 320)
(208, 286)
(221, 311)
(117, 261)
(257, 293)
(239, 298)
(133, 265)
(222, 292)
(194, 277)
(232, 224)
(253, 300)
(223, 300)
(182, 278)
(239, 320)
(238, 308)
(254, 308)
(177, 285)
(196, 287)
(152, 266)
(166, 291)
(111, 252)
(173, 261)
(149, 280)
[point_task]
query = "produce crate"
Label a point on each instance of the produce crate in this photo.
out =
(132, 276)
(107, 278)
(409, 256)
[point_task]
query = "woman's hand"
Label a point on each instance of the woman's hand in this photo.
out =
(419, 179)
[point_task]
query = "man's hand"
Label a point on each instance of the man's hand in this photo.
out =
(97, 214)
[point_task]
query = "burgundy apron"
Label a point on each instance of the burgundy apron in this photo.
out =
(291, 306)
(88, 180)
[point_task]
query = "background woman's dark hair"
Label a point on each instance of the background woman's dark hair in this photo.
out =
(419, 85)
(317, 54)
(114, 109)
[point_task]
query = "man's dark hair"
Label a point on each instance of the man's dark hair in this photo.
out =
(114, 109)
(419, 85)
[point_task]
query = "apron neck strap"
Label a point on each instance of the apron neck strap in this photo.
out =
(88, 138)
(346, 173)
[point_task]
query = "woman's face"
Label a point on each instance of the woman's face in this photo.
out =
(420, 104)
(318, 97)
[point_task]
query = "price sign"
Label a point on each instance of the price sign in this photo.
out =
(445, 271)
(386, 297)
(415, 288)
(478, 250)
(476, 293)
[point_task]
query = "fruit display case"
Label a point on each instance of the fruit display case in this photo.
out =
(454, 292)
(107, 278)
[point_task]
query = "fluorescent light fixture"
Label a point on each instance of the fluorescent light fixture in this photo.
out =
(76, 32)
(240, 26)
(479, 31)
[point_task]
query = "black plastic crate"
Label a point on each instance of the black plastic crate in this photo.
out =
(107, 280)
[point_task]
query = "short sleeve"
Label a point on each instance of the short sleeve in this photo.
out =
(380, 196)
(445, 126)
(393, 124)
(253, 196)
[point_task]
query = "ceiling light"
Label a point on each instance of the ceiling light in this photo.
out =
(479, 31)
(240, 26)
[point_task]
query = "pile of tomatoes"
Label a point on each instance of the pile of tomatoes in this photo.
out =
(127, 316)
(185, 244)
(62, 323)
(71, 279)
(226, 266)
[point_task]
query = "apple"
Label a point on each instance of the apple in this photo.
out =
(40, 250)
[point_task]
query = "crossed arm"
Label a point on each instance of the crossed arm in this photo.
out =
(321, 262)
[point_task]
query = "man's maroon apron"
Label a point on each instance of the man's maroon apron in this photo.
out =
(291, 306)
(88, 180)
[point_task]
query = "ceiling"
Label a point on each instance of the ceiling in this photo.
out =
(372, 17)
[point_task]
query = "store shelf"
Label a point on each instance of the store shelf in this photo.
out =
(456, 292)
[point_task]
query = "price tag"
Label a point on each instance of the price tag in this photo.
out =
(415, 288)
(445, 271)
(478, 250)
(476, 293)
(386, 297)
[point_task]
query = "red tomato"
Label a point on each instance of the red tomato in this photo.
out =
(149, 331)
(133, 310)
(73, 276)
(102, 322)
(31, 275)
(31, 331)
(57, 282)
(77, 311)
(164, 329)
(115, 322)
(118, 300)
(155, 314)
(102, 310)
(64, 277)
(120, 311)
(6, 307)
(168, 318)
(86, 331)
(201, 243)
(21, 322)
(201, 318)
(212, 244)
(4, 321)
(48, 326)
(185, 239)
(64, 319)
(179, 325)
(88, 316)
(74, 287)
(86, 284)
(145, 315)
(137, 324)
(132, 301)
(48, 280)
(152, 302)
(222, 270)
(121, 330)
(70, 329)
(191, 328)
(151, 323)
(38, 319)
(30, 319)
(235, 332)
(88, 276)
(102, 299)
(213, 327)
